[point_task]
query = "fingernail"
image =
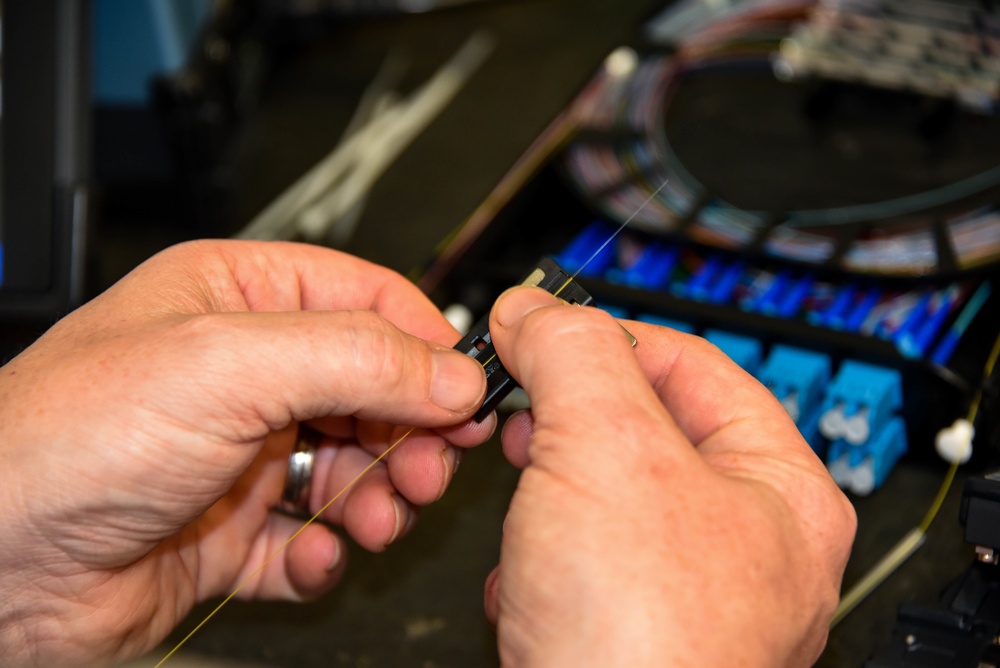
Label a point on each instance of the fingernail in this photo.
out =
(450, 458)
(458, 382)
(334, 560)
(518, 302)
(404, 517)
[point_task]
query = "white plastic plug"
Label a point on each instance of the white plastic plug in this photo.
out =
(856, 428)
(460, 318)
(833, 423)
(954, 443)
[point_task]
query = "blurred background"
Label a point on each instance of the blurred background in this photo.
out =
(822, 180)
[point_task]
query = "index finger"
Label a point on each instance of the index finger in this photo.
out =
(243, 275)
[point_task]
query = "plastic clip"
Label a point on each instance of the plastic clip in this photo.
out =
(478, 345)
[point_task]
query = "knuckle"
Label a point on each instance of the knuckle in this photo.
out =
(187, 250)
(200, 332)
(848, 519)
(703, 346)
(377, 353)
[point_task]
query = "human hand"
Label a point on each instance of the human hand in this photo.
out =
(145, 438)
(669, 514)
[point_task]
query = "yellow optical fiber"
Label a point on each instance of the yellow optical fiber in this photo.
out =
(991, 362)
(284, 545)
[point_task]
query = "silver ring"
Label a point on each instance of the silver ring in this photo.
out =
(298, 483)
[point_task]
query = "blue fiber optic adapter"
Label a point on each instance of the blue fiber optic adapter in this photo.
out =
(744, 350)
(699, 285)
(797, 378)
(580, 256)
(809, 428)
(863, 468)
(651, 271)
(860, 402)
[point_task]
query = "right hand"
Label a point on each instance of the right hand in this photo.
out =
(669, 514)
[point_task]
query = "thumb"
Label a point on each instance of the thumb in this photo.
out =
(586, 386)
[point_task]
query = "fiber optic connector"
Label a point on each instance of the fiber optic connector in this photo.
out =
(583, 247)
(861, 400)
(863, 468)
(652, 271)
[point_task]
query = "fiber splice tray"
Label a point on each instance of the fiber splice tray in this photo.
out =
(871, 365)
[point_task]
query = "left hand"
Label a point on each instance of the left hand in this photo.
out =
(145, 438)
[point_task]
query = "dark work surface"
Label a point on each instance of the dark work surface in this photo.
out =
(884, 518)
(420, 603)
(545, 51)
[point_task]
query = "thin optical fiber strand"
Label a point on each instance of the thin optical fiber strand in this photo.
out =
(939, 499)
(987, 372)
(284, 545)
(873, 578)
(598, 251)
(612, 237)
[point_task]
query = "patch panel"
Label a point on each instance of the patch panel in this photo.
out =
(830, 302)
(912, 320)
(796, 326)
(854, 419)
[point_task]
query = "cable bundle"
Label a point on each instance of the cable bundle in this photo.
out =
(623, 153)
